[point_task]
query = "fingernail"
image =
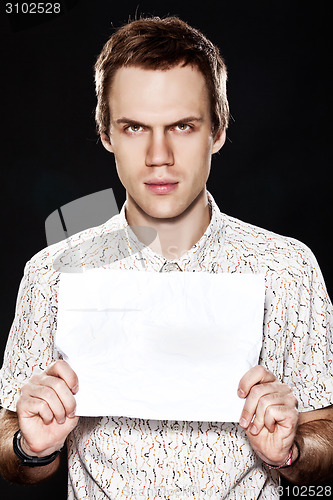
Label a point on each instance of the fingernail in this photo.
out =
(240, 393)
(62, 421)
(71, 415)
(254, 430)
(75, 389)
(243, 422)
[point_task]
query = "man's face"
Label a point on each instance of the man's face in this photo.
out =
(161, 136)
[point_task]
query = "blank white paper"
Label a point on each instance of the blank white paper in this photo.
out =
(166, 346)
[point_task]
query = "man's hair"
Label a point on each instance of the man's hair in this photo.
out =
(161, 44)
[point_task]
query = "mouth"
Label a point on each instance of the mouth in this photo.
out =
(159, 186)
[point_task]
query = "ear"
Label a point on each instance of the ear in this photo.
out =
(219, 140)
(106, 142)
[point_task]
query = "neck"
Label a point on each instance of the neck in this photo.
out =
(176, 235)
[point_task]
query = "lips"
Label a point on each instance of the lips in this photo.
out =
(159, 182)
(159, 186)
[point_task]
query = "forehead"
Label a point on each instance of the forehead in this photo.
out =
(155, 95)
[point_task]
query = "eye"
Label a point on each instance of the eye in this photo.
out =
(134, 128)
(183, 127)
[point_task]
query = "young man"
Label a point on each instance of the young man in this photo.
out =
(162, 111)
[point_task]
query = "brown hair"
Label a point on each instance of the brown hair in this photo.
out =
(155, 43)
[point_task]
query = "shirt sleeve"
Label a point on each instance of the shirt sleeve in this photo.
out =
(308, 357)
(30, 346)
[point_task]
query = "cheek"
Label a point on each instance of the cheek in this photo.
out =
(128, 166)
(196, 146)
(198, 155)
(128, 151)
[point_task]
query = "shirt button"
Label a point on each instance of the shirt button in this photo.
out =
(169, 266)
(175, 426)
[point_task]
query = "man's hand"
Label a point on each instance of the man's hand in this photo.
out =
(269, 415)
(46, 409)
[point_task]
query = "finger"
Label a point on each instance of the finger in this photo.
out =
(62, 369)
(55, 394)
(256, 375)
(63, 393)
(267, 405)
(257, 392)
(282, 415)
(28, 406)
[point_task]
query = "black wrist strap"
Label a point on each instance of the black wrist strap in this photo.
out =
(27, 460)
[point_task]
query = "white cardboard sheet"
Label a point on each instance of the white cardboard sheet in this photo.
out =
(166, 346)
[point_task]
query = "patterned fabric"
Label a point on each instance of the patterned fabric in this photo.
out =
(128, 458)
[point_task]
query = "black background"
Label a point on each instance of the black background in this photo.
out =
(274, 170)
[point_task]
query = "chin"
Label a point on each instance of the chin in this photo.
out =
(164, 214)
(161, 207)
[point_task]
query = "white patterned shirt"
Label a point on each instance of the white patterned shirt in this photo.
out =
(130, 458)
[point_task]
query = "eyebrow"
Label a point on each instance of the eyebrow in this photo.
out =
(186, 119)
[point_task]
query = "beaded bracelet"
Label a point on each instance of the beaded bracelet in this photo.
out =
(287, 462)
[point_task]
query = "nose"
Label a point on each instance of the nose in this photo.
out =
(159, 151)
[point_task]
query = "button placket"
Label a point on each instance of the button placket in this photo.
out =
(170, 266)
(175, 426)
(176, 429)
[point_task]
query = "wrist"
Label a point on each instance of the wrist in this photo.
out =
(43, 453)
(31, 459)
(292, 458)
